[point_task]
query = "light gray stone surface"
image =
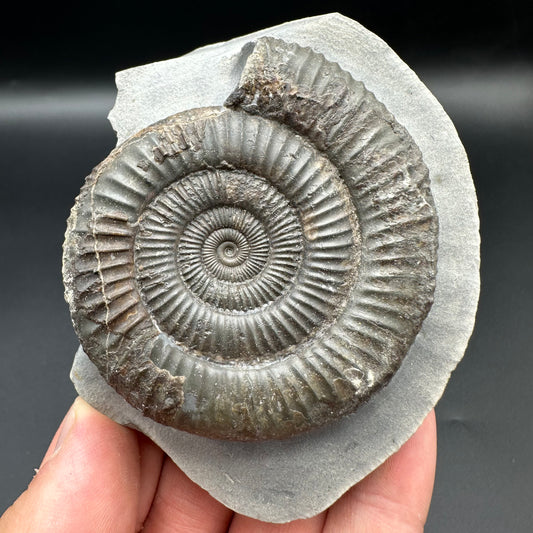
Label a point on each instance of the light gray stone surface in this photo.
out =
(279, 481)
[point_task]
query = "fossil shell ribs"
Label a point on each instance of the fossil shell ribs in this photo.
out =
(253, 271)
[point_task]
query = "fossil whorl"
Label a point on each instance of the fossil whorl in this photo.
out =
(255, 270)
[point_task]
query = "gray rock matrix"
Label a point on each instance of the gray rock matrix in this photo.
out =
(279, 481)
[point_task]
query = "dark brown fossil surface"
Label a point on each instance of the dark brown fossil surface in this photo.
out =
(252, 271)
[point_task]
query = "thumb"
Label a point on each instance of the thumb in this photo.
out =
(88, 480)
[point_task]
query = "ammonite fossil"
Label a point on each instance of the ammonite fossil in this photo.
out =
(252, 271)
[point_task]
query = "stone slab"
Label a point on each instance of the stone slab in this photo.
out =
(279, 481)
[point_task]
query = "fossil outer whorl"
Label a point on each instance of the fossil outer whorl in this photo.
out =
(253, 271)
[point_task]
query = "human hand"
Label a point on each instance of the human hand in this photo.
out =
(99, 477)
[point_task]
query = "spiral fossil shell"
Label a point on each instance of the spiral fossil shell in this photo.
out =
(255, 270)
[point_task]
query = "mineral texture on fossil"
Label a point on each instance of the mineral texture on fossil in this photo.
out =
(268, 249)
(255, 270)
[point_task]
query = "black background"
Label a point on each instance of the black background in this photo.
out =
(56, 87)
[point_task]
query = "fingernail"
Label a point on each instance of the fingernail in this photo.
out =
(68, 424)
